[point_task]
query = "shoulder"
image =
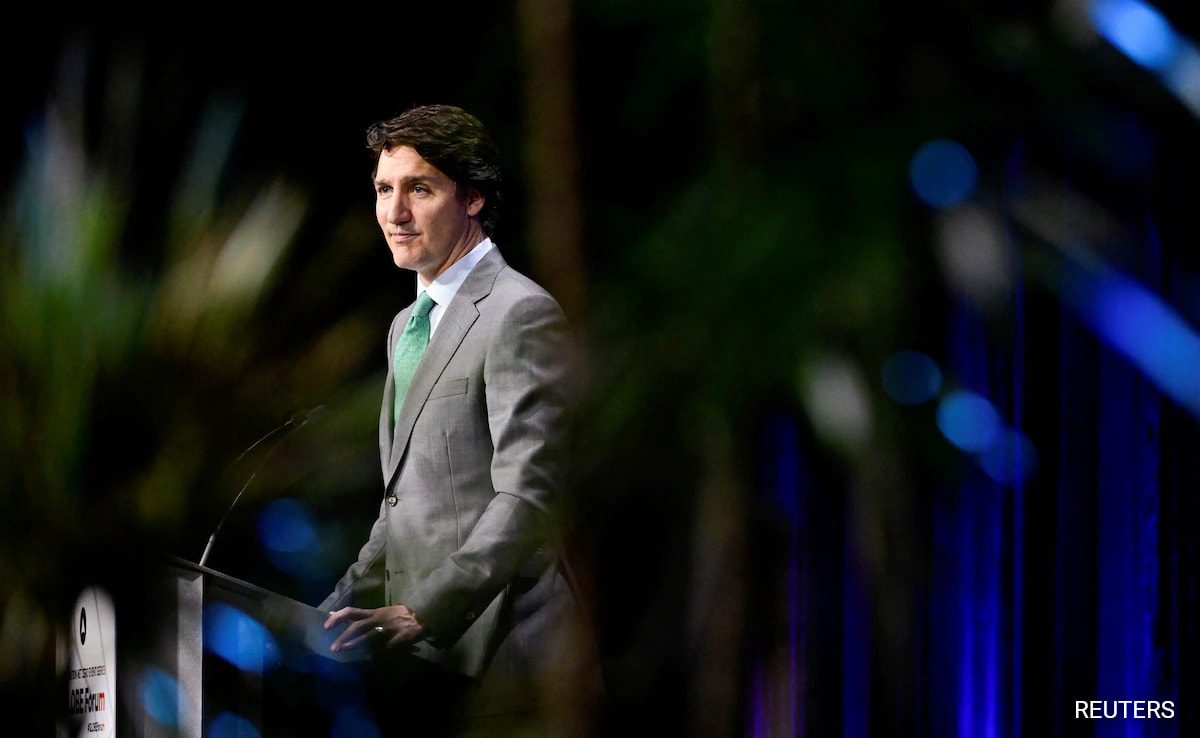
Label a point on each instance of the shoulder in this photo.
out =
(514, 285)
(523, 318)
(527, 334)
(512, 288)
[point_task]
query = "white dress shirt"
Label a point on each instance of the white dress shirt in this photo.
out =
(443, 289)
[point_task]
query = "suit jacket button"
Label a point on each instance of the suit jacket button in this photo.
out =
(392, 500)
(470, 614)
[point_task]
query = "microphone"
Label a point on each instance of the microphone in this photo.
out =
(290, 426)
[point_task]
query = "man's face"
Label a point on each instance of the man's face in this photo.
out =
(425, 221)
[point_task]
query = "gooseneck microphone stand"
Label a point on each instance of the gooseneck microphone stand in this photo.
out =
(293, 424)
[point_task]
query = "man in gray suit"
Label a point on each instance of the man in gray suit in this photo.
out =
(461, 569)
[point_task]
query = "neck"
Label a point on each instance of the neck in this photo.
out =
(471, 237)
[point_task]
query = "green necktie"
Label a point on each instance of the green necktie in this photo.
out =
(410, 348)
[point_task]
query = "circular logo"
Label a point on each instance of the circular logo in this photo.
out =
(82, 625)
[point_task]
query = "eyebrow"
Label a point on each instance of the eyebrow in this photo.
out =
(409, 180)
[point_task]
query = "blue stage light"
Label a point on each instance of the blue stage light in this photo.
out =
(1183, 78)
(1138, 323)
(353, 722)
(910, 377)
(238, 638)
(943, 173)
(160, 696)
(289, 535)
(968, 420)
(1137, 30)
(1009, 458)
(228, 725)
(285, 526)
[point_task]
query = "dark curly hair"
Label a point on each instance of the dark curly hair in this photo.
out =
(452, 140)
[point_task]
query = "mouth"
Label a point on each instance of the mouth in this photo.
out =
(402, 236)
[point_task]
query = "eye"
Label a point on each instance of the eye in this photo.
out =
(383, 189)
(421, 189)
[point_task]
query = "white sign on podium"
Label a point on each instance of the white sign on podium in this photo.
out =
(89, 656)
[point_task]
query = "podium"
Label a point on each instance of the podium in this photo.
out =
(230, 658)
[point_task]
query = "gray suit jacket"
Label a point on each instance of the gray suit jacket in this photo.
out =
(465, 533)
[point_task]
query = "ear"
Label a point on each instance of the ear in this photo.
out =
(474, 202)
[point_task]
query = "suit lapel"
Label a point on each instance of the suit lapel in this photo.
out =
(460, 315)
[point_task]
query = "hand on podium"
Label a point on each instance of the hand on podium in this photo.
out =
(396, 623)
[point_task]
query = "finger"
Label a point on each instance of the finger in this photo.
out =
(400, 638)
(352, 630)
(369, 630)
(343, 637)
(346, 613)
(356, 641)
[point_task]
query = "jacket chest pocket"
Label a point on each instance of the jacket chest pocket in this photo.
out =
(449, 388)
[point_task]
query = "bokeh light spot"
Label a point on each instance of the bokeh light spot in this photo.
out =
(971, 251)
(289, 535)
(338, 685)
(229, 725)
(160, 696)
(968, 420)
(1009, 458)
(353, 722)
(1137, 30)
(1184, 77)
(910, 377)
(285, 526)
(838, 402)
(1137, 322)
(943, 173)
(238, 638)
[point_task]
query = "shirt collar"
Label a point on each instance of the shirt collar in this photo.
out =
(443, 288)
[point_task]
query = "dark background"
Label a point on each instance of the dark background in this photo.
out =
(719, 195)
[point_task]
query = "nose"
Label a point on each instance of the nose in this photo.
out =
(398, 211)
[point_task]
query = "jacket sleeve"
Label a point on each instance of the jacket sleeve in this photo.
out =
(527, 376)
